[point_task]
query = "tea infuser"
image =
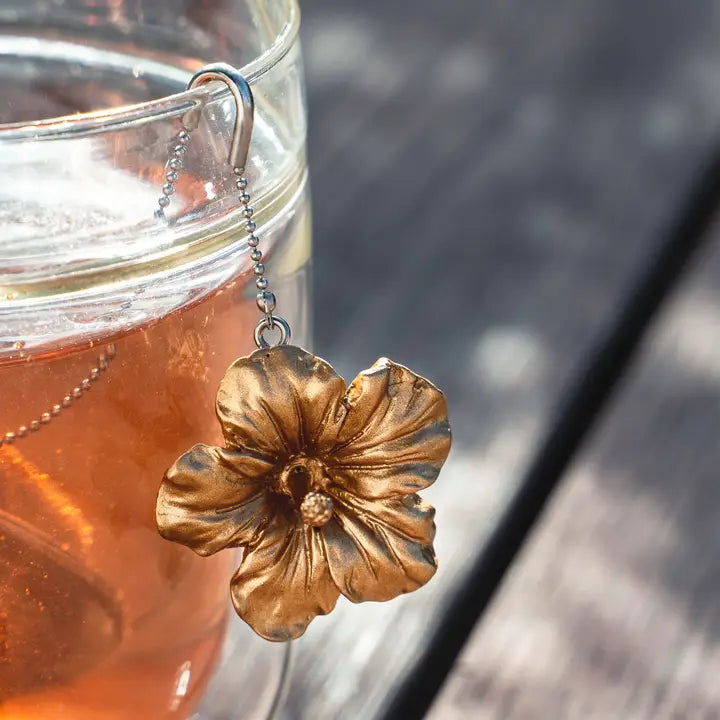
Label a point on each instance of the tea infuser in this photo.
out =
(317, 481)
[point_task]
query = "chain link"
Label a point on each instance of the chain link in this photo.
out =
(265, 299)
(173, 167)
(103, 363)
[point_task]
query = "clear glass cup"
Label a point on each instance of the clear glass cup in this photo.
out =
(116, 325)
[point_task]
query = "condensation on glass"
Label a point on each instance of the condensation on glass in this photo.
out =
(100, 617)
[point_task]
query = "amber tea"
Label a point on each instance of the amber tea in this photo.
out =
(100, 617)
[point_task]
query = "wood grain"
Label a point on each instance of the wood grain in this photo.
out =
(612, 612)
(489, 180)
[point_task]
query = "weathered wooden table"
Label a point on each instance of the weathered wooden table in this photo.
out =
(504, 193)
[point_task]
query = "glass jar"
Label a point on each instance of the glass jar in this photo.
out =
(116, 326)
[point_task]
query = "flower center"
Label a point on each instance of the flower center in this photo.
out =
(316, 509)
(303, 479)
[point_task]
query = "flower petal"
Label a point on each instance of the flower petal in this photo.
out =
(283, 581)
(280, 401)
(212, 498)
(380, 549)
(395, 436)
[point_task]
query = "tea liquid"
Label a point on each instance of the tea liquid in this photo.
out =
(99, 616)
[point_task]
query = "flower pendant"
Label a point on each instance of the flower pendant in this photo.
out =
(317, 483)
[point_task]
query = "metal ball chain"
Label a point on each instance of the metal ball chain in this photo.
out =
(103, 363)
(265, 299)
(174, 165)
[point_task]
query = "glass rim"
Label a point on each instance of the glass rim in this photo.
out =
(107, 119)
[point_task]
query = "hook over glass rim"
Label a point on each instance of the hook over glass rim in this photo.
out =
(107, 119)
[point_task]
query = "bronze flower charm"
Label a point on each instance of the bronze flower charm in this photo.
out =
(317, 482)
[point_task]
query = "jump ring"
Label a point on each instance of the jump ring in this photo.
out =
(265, 324)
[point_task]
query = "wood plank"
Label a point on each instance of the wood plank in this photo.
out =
(489, 181)
(612, 611)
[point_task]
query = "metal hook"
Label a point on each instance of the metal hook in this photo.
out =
(244, 108)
